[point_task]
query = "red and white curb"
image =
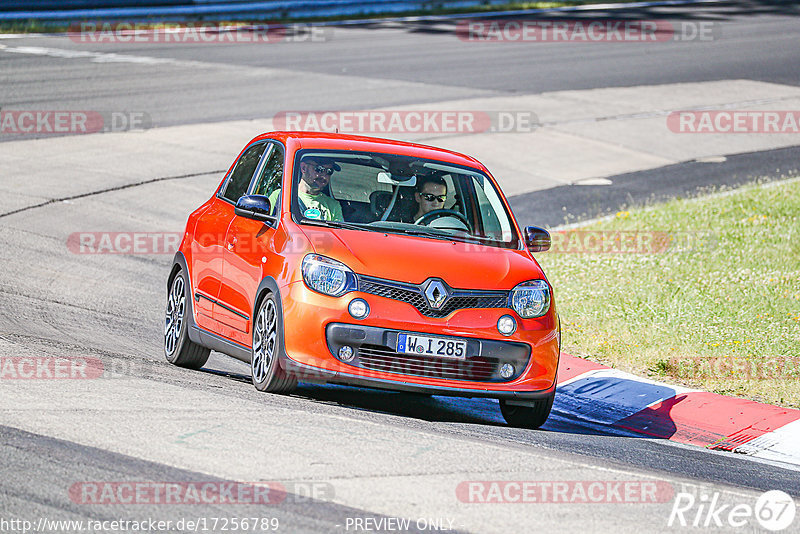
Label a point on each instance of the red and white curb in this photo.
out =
(599, 394)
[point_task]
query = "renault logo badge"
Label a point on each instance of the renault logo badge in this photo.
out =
(436, 293)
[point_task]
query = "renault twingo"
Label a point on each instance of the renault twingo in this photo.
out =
(368, 262)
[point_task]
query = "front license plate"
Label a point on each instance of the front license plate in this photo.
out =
(441, 347)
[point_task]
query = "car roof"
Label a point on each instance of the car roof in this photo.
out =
(297, 140)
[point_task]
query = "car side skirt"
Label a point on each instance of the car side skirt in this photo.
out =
(219, 344)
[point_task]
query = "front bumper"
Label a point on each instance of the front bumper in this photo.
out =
(316, 325)
(315, 374)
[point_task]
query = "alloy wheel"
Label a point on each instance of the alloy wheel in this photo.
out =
(264, 340)
(173, 322)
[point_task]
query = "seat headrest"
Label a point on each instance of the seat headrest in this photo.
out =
(379, 201)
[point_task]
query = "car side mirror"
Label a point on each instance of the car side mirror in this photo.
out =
(254, 207)
(537, 239)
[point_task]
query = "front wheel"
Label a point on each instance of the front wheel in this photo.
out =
(527, 416)
(178, 348)
(267, 352)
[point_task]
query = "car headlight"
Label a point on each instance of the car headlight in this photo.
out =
(530, 299)
(327, 276)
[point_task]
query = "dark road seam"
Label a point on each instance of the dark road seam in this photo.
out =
(109, 190)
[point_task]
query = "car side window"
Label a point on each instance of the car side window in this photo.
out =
(490, 206)
(271, 179)
(239, 180)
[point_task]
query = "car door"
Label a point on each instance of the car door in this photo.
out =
(209, 237)
(206, 258)
(249, 246)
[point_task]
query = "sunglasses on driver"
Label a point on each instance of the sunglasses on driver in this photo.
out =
(430, 198)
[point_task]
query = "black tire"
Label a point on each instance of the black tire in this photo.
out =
(178, 348)
(268, 351)
(527, 416)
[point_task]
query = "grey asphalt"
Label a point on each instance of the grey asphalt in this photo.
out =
(385, 453)
(760, 43)
(570, 204)
(27, 456)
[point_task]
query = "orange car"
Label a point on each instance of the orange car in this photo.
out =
(353, 260)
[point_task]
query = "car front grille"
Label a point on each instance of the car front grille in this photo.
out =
(380, 358)
(376, 349)
(412, 294)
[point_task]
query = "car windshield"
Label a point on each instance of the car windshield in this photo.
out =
(399, 194)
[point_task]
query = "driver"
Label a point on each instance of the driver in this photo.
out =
(431, 194)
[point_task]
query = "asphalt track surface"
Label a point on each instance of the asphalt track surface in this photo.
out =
(111, 307)
(570, 204)
(428, 60)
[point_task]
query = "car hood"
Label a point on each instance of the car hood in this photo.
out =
(414, 259)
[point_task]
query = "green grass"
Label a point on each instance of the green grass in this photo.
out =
(43, 26)
(718, 310)
(32, 26)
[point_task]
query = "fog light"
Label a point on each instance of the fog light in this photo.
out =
(507, 370)
(506, 325)
(358, 308)
(346, 353)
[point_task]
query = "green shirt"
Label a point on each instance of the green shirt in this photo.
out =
(330, 209)
(274, 199)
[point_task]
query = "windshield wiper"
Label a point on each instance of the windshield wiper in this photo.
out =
(338, 224)
(409, 231)
(450, 237)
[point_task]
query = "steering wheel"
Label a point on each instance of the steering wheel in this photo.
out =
(438, 214)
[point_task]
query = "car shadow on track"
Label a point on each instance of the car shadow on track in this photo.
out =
(432, 408)
(443, 409)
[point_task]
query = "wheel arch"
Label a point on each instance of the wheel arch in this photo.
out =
(189, 351)
(270, 285)
(178, 264)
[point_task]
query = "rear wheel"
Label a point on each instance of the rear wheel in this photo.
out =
(527, 416)
(178, 348)
(265, 362)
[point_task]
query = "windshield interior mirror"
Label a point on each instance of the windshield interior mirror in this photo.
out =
(405, 181)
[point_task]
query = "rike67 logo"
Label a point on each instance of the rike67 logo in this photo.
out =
(774, 511)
